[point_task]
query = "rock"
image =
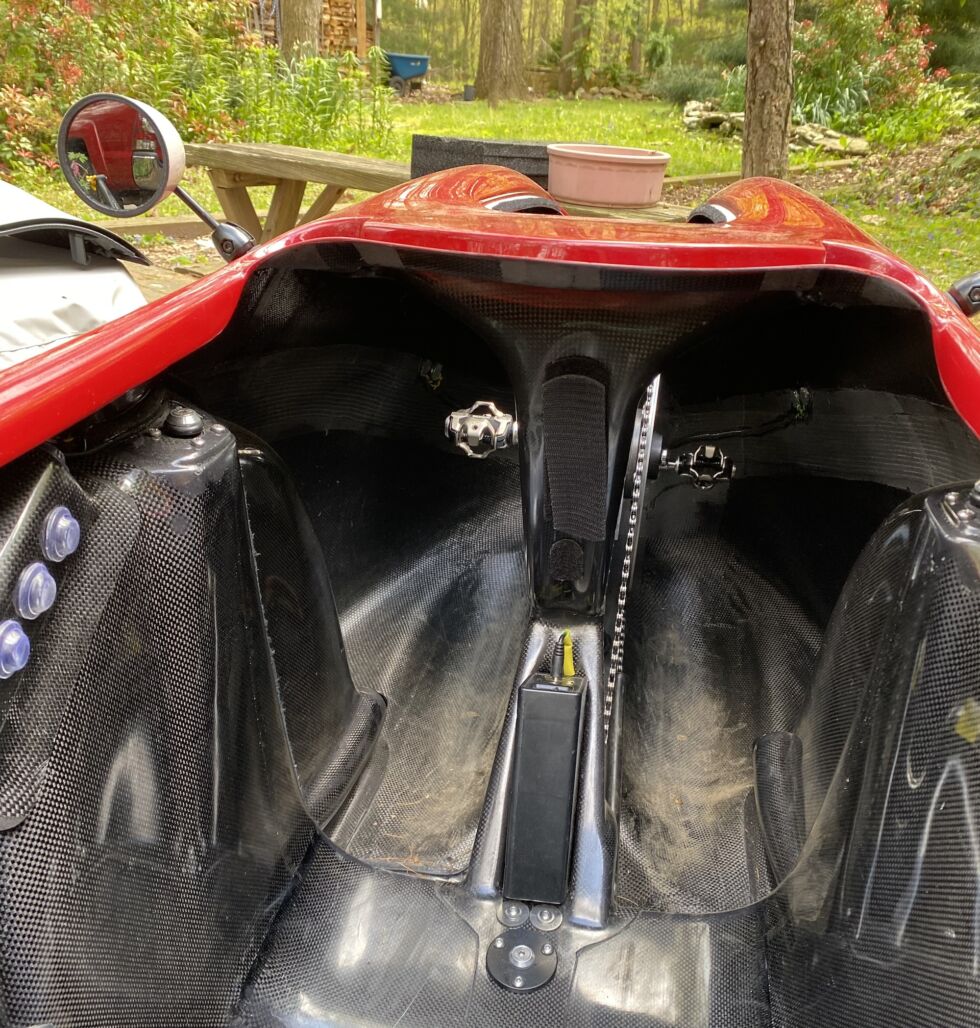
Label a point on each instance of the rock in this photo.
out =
(699, 114)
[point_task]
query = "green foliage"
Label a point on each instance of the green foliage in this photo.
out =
(659, 48)
(728, 50)
(955, 28)
(857, 56)
(733, 95)
(936, 111)
(679, 83)
(958, 50)
(191, 58)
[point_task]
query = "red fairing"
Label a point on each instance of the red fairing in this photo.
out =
(774, 225)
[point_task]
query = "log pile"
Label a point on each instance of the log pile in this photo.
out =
(338, 25)
(706, 115)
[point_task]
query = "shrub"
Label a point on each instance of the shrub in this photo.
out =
(679, 83)
(191, 58)
(958, 51)
(733, 94)
(728, 51)
(855, 56)
(659, 48)
(936, 111)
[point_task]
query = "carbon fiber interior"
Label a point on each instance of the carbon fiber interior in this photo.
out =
(251, 770)
(426, 553)
(725, 623)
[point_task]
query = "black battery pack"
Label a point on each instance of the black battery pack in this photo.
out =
(543, 791)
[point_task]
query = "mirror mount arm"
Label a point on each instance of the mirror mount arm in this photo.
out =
(230, 240)
(966, 294)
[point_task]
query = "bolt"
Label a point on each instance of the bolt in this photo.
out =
(518, 982)
(951, 498)
(183, 423)
(966, 514)
(154, 433)
(547, 915)
(547, 949)
(521, 956)
(498, 943)
(513, 910)
(974, 497)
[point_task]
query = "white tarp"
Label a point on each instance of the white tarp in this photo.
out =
(47, 298)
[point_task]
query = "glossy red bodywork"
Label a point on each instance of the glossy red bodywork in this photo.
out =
(110, 131)
(776, 225)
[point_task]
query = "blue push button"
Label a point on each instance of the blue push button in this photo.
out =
(35, 591)
(15, 648)
(61, 534)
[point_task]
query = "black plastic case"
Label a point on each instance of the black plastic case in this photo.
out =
(545, 783)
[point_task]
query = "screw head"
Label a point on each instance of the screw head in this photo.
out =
(547, 949)
(518, 982)
(521, 956)
(545, 917)
(183, 423)
(513, 913)
(498, 943)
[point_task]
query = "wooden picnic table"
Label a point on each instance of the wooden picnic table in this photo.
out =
(234, 167)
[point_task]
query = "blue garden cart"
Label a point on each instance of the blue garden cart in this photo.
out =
(407, 71)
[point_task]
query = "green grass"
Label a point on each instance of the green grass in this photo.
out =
(944, 248)
(621, 122)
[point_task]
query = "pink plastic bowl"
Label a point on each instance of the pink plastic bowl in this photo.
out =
(606, 176)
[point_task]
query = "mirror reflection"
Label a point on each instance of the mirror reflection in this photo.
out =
(113, 156)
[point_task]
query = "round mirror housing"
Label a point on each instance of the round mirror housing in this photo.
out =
(121, 156)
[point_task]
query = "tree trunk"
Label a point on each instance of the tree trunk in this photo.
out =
(768, 88)
(571, 35)
(500, 69)
(299, 28)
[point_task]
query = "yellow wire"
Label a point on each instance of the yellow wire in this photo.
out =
(567, 656)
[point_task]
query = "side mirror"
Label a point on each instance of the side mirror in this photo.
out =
(120, 156)
(966, 293)
(123, 157)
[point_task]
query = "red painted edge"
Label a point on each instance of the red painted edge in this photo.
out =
(775, 225)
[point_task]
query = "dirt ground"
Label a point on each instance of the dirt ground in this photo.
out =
(175, 263)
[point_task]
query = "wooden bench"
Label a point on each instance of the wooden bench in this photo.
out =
(234, 167)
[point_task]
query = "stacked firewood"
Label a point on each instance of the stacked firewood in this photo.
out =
(706, 115)
(338, 25)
